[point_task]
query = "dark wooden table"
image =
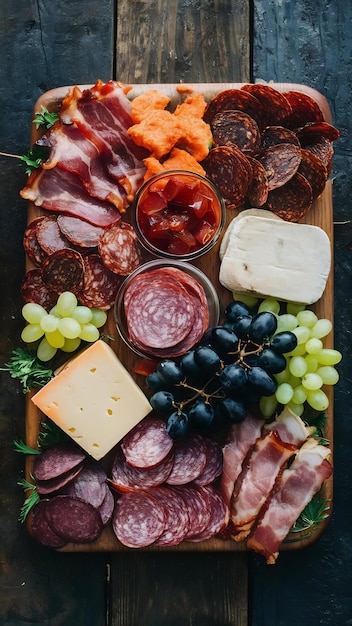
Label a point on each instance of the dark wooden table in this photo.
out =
(47, 44)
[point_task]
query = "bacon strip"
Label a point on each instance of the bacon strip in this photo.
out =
(294, 490)
(290, 427)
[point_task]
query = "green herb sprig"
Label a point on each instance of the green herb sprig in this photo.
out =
(45, 118)
(316, 511)
(25, 367)
(30, 500)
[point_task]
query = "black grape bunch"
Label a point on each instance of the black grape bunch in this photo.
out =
(233, 367)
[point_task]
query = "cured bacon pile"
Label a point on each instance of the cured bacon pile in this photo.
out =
(270, 473)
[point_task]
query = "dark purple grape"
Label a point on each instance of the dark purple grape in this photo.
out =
(241, 325)
(207, 359)
(271, 361)
(223, 340)
(192, 372)
(262, 327)
(235, 309)
(201, 415)
(155, 382)
(170, 372)
(233, 377)
(261, 381)
(162, 401)
(177, 424)
(284, 342)
(234, 410)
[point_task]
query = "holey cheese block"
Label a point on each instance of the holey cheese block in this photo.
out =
(274, 258)
(94, 400)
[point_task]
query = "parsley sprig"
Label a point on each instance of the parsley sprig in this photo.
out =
(45, 118)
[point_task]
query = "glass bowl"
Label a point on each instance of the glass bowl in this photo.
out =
(158, 308)
(178, 214)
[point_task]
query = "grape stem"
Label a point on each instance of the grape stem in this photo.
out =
(200, 393)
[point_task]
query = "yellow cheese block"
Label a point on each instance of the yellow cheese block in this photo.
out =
(94, 400)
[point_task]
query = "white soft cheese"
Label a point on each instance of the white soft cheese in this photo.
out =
(94, 400)
(275, 258)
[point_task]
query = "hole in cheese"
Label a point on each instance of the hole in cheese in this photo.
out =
(114, 399)
(93, 370)
(109, 412)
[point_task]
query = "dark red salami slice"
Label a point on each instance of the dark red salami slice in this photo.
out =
(79, 232)
(236, 128)
(176, 516)
(273, 135)
(280, 162)
(100, 285)
(64, 271)
(231, 99)
(40, 528)
(321, 148)
(229, 169)
(292, 201)
(219, 515)
(317, 129)
(73, 519)
(189, 461)
(277, 109)
(138, 519)
(147, 444)
(56, 461)
(50, 237)
(213, 465)
(45, 487)
(30, 242)
(107, 506)
(314, 171)
(197, 507)
(33, 289)
(119, 249)
(90, 484)
(304, 109)
(258, 189)
(125, 476)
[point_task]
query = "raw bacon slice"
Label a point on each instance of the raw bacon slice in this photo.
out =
(138, 519)
(280, 162)
(30, 242)
(64, 271)
(189, 460)
(119, 249)
(73, 519)
(34, 289)
(242, 437)
(100, 285)
(79, 232)
(63, 192)
(256, 481)
(177, 520)
(147, 444)
(294, 490)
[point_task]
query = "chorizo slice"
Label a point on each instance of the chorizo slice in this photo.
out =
(292, 201)
(304, 109)
(31, 244)
(64, 271)
(237, 99)
(257, 193)
(236, 128)
(229, 169)
(119, 249)
(100, 284)
(314, 171)
(277, 109)
(273, 135)
(280, 163)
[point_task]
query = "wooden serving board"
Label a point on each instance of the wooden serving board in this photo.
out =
(321, 214)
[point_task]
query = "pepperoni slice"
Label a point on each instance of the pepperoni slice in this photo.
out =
(40, 528)
(189, 461)
(176, 516)
(257, 193)
(138, 519)
(34, 289)
(56, 461)
(304, 109)
(230, 171)
(79, 232)
(64, 271)
(73, 519)
(273, 135)
(119, 249)
(213, 465)
(31, 244)
(314, 171)
(292, 201)
(147, 444)
(277, 108)
(100, 285)
(50, 237)
(280, 162)
(238, 99)
(236, 128)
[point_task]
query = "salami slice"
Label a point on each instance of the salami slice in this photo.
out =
(147, 444)
(79, 232)
(189, 461)
(292, 201)
(41, 529)
(321, 148)
(176, 516)
(46, 487)
(304, 109)
(213, 465)
(219, 515)
(100, 285)
(30, 243)
(73, 519)
(138, 519)
(273, 135)
(237, 99)
(119, 249)
(317, 129)
(277, 109)
(50, 237)
(197, 507)
(229, 169)
(107, 506)
(236, 128)
(280, 162)
(258, 189)
(64, 271)
(34, 289)
(90, 484)
(126, 477)
(314, 171)
(56, 461)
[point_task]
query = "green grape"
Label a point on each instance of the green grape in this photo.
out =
(299, 350)
(284, 376)
(312, 381)
(89, 333)
(312, 362)
(69, 328)
(54, 311)
(302, 333)
(328, 374)
(299, 395)
(31, 332)
(267, 405)
(66, 303)
(296, 408)
(55, 339)
(284, 393)
(321, 329)
(294, 381)
(82, 314)
(286, 322)
(328, 356)
(314, 345)
(49, 323)
(295, 307)
(33, 312)
(99, 317)
(71, 345)
(318, 400)
(269, 304)
(297, 366)
(307, 318)
(45, 351)
(250, 301)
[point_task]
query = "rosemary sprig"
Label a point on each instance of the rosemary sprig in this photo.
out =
(21, 447)
(30, 500)
(313, 514)
(45, 118)
(27, 369)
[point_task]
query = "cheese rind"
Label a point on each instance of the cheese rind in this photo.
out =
(274, 258)
(94, 400)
